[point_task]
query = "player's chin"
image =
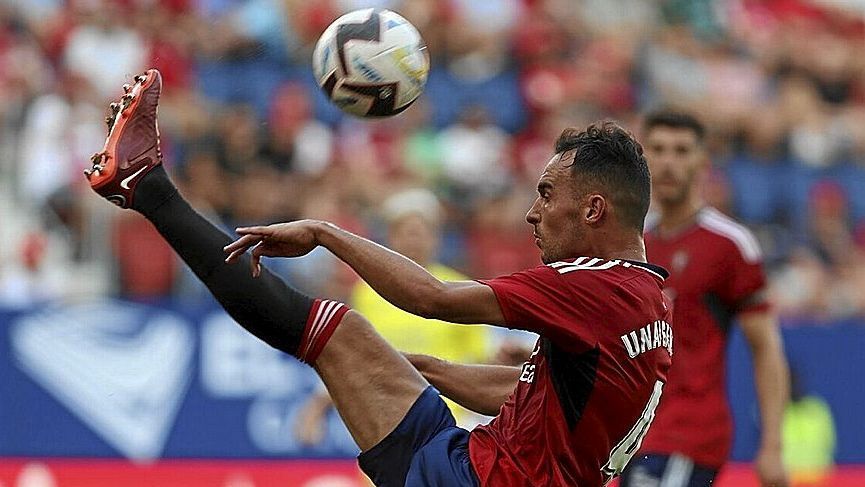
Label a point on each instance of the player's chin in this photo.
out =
(669, 196)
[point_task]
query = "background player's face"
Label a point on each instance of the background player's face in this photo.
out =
(676, 158)
(555, 214)
(415, 237)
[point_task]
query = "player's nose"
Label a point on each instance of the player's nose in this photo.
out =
(667, 162)
(533, 216)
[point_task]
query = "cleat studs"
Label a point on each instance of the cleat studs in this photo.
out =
(140, 78)
(98, 165)
(96, 159)
(127, 88)
(125, 101)
(115, 108)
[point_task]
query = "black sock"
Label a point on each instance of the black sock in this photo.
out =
(266, 306)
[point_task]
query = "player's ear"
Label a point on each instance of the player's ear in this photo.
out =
(705, 158)
(595, 209)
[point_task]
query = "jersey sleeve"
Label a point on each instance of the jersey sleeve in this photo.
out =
(538, 300)
(744, 288)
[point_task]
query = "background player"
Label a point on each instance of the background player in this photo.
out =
(716, 275)
(582, 403)
(414, 219)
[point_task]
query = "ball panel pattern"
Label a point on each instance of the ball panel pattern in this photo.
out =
(371, 63)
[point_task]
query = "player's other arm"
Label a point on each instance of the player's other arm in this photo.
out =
(480, 388)
(771, 379)
(396, 278)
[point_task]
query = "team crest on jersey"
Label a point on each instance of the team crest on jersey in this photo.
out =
(679, 261)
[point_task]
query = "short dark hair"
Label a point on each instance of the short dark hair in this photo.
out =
(612, 157)
(668, 117)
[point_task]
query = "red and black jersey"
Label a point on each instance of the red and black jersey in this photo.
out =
(716, 273)
(589, 391)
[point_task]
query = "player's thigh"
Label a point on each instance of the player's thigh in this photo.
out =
(372, 385)
(666, 471)
(426, 449)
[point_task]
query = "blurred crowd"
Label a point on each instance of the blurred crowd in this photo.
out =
(250, 138)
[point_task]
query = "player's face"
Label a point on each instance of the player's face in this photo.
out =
(414, 237)
(556, 211)
(676, 158)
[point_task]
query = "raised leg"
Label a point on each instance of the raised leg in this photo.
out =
(372, 385)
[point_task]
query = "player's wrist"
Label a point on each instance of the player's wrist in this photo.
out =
(423, 363)
(323, 231)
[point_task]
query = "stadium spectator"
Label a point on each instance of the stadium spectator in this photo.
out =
(473, 156)
(825, 277)
(103, 47)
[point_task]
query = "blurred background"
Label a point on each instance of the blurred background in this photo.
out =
(117, 368)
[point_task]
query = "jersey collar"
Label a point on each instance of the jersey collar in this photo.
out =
(654, 269)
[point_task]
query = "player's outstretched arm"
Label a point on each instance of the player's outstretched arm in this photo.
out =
(771, 379)
(395, 277)
(480, 388)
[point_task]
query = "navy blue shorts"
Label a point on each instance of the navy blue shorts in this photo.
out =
(425, 449)
(672, 471)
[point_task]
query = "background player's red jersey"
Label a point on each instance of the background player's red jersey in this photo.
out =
(589, 391)
(715, 273)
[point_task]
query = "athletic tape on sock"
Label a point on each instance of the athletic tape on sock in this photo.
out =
(323, 319)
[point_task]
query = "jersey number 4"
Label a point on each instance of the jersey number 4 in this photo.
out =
(625, 450)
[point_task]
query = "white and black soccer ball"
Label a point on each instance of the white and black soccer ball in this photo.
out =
(371, 63)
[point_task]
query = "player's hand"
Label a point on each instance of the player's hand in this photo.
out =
(418, 361)
(278, 240)
(770, 468)
(311, 420)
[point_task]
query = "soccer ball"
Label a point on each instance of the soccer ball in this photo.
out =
(371, 63)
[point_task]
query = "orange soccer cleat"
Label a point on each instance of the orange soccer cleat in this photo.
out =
(132, 147)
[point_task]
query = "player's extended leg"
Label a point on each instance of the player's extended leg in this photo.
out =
(373, 386)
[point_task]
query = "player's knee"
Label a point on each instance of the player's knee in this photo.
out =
(324, 318)
(355, 339)
(351, 331)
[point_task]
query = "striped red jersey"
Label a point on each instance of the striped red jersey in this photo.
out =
(715, 273)
(589, 391)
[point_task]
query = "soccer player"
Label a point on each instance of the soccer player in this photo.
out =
(716, 275)
(573, 415)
